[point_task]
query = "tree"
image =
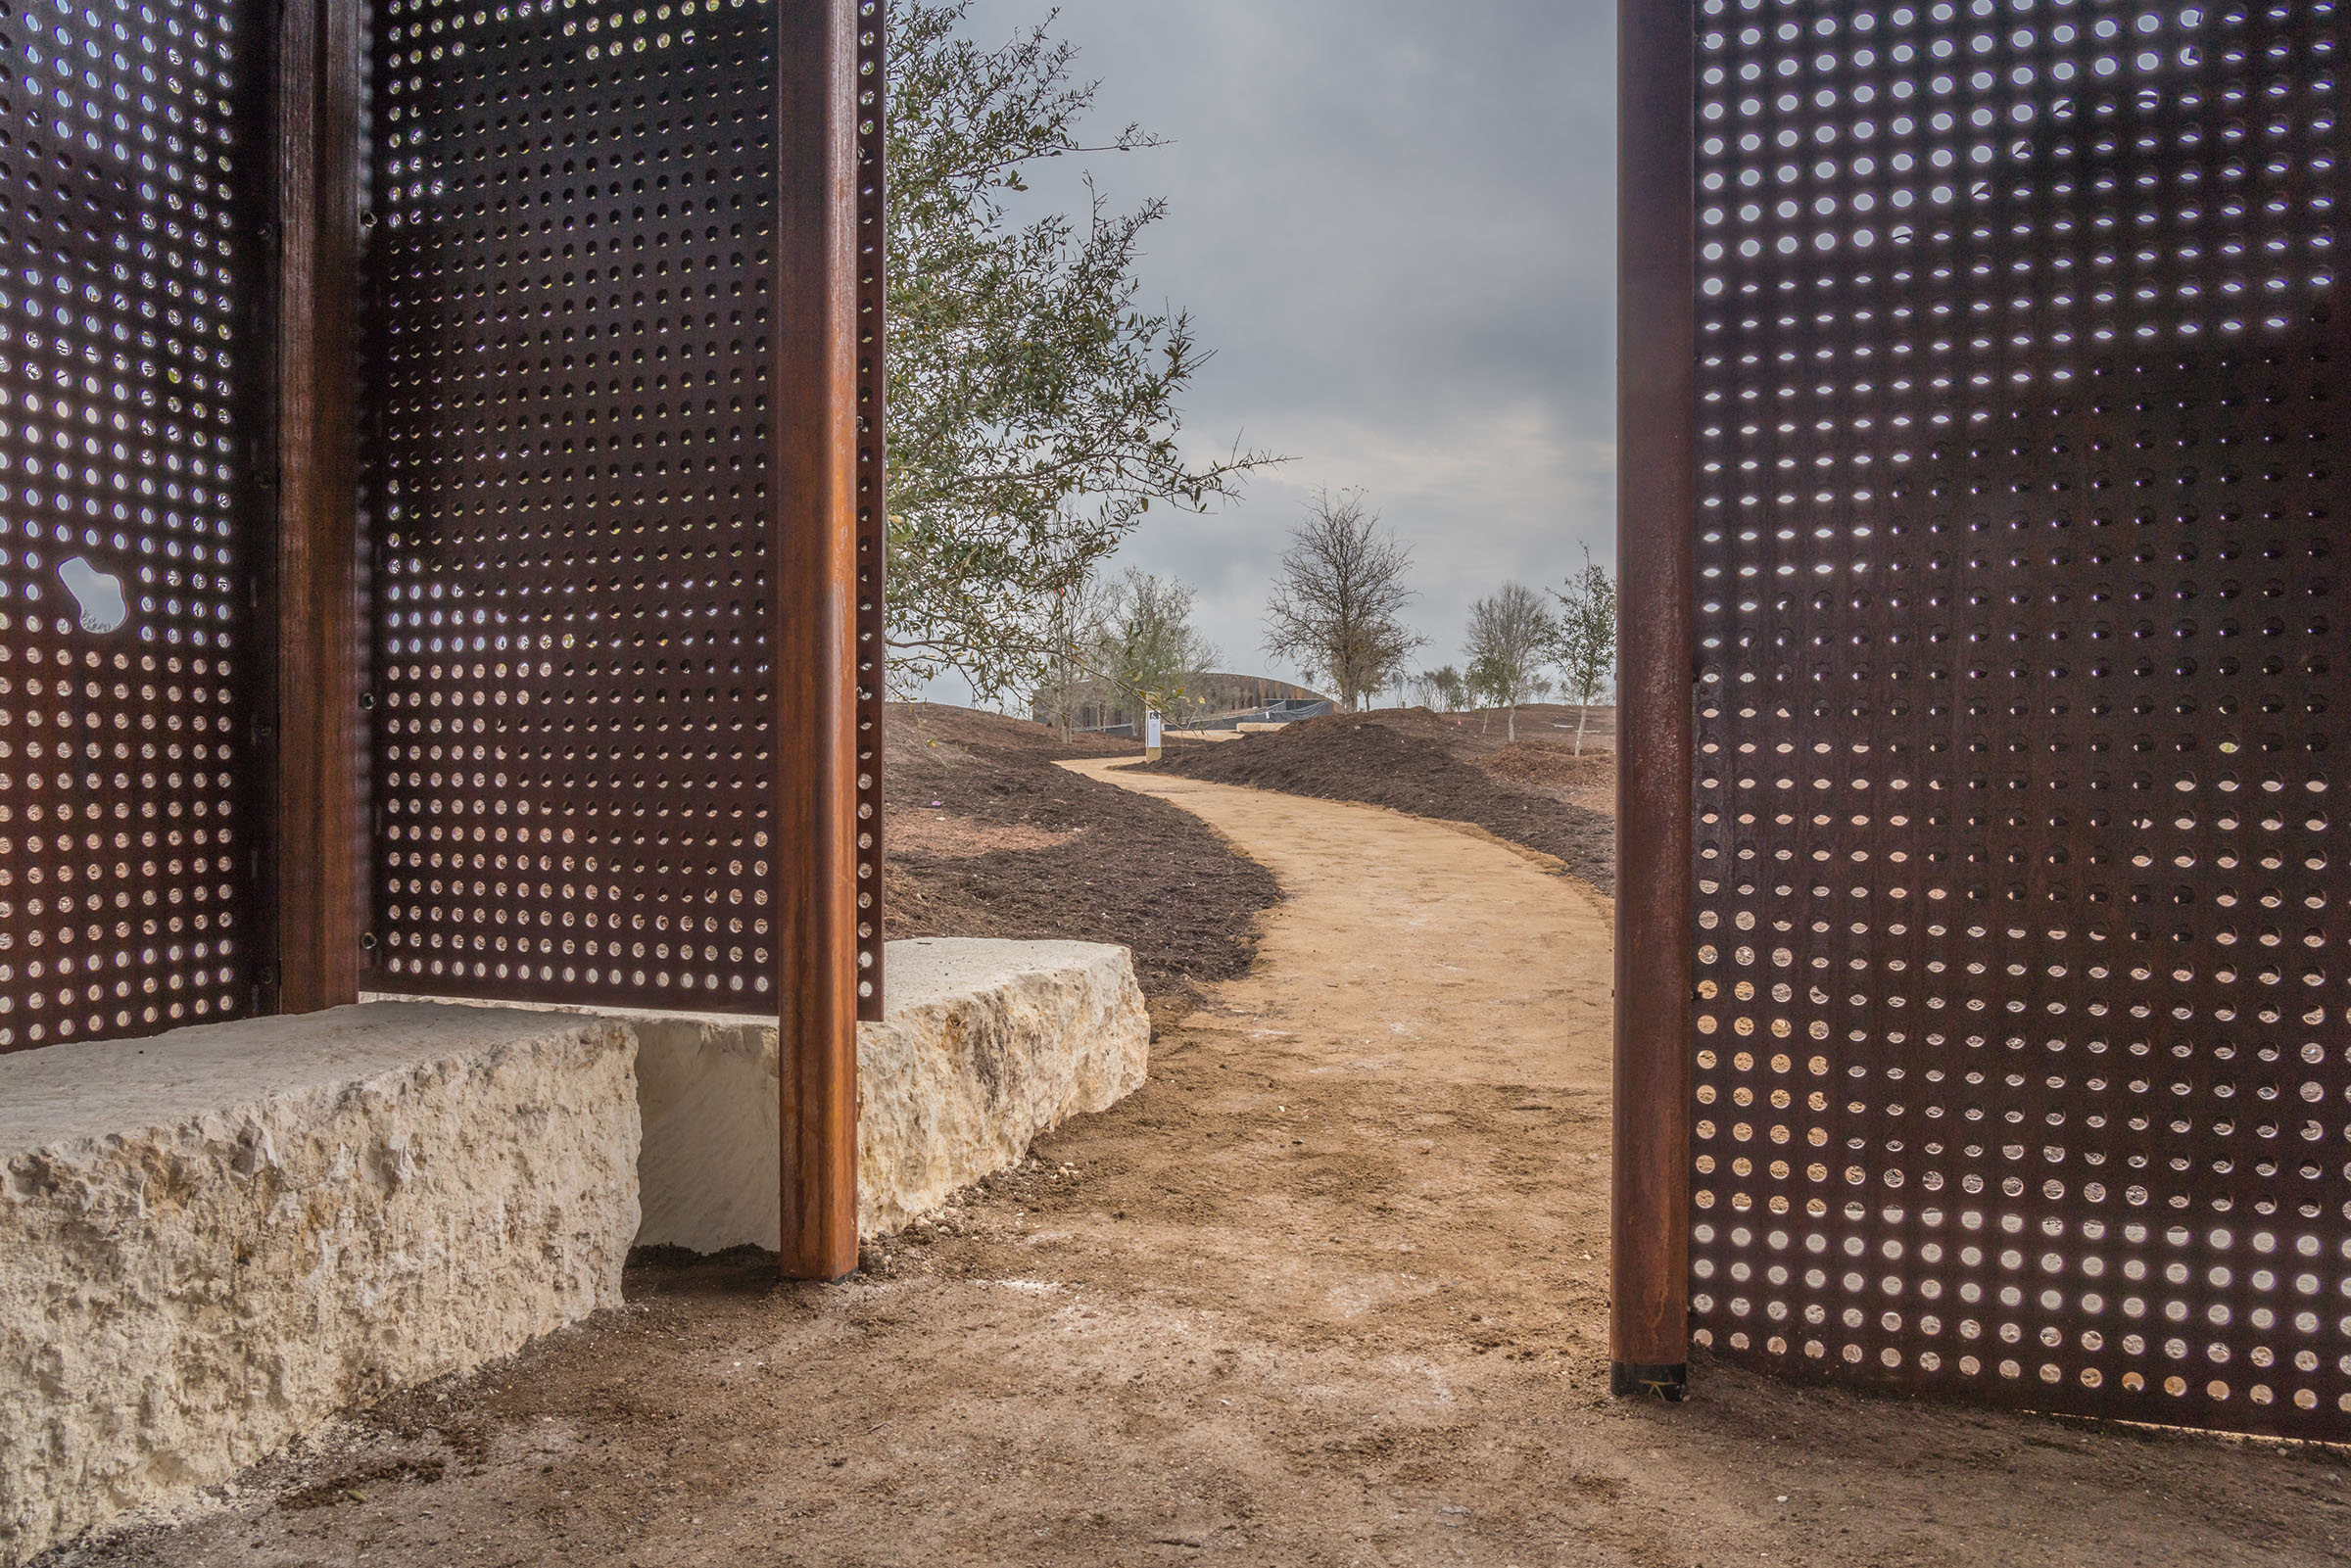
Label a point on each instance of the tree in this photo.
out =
(1511, 635)
(1586, 650)
(1485, 686)
(1033, 405)
(1075, 627)
(1150, 651)
(1439, 688)
(1335, 602)
(1128, 643)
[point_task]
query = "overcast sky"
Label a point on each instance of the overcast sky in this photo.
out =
(1394, 224)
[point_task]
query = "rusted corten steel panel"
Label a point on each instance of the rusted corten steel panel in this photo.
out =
(873, 512)
(2021, 1037)
(576, 737)
(127, 352)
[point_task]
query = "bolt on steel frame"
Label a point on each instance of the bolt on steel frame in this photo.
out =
(480, 591)
(1984, 1025)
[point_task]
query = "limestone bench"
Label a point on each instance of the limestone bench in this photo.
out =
(987, 1044)
(213, 1239)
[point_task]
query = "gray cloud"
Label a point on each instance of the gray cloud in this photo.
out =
(1394, 221)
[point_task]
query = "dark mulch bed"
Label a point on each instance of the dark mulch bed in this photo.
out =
(1361, 758)
(1089, 862)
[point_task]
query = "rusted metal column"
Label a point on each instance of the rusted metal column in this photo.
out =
(1648, 1333)
(317, 844)
(813, 630)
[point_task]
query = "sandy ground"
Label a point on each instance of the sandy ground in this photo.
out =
(1328, 1291)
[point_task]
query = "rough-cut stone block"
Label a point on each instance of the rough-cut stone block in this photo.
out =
(217, 1238)
(988, 1044)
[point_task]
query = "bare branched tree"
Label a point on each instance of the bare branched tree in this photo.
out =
(1077, 621)
(1511, 635)
(1334, 609)
(1439, 689)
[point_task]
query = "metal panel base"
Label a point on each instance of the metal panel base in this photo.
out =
(1631, 1380)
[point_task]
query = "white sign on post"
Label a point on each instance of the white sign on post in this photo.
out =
(1151, 734)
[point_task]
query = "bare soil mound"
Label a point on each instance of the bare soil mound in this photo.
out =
(985, 836)
(1587, 780)
(1545, 762)
(1403, 761)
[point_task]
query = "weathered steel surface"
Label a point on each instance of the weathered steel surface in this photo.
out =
(310, 598)
(814, 631)
(1649, 1261)
(576, 493)
(626, 561)
(2021, 1028)
(128, 522)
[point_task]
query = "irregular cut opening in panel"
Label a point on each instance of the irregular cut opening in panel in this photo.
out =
(126, 522)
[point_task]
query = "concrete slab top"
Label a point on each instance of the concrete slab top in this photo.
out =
(65, 1093)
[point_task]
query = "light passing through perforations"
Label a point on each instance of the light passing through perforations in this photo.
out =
(574, 735)
(2022, 1039)
(873, 534)
(124, 886)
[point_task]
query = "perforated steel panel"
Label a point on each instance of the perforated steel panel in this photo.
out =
(574, 737)
(2021, 1035)
(125, 504)
(873, 531)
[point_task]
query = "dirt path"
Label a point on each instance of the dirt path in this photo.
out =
(1327, 1290)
